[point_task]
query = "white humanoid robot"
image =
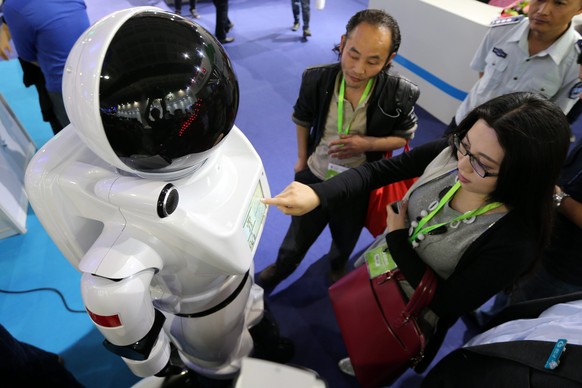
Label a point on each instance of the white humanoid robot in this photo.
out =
(154, 195)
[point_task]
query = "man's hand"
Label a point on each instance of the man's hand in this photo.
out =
(297, 199)
(348, 146)
(5, 47)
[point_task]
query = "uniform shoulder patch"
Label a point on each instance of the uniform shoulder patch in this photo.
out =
(505, 21)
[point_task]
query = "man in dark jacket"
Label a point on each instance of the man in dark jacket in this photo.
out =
(346, 114)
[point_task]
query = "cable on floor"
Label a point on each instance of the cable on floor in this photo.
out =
(59, 293)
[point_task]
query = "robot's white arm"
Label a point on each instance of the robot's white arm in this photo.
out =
(116, 293)
(123, 312)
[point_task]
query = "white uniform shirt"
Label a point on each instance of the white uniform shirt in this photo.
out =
(563, 320)
(507, 67)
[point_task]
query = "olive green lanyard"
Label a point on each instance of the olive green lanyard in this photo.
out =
(473, 213)
(340, 105)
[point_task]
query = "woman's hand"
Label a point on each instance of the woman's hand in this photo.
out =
(395, 221)
(297, 199)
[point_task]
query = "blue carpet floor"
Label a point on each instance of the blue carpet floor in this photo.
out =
(268, 58)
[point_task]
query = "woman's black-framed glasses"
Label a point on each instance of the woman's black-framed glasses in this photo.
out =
(475, 163)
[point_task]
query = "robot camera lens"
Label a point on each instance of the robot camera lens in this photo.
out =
(168, 200)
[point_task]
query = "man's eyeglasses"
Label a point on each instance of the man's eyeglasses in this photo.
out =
(475, 163)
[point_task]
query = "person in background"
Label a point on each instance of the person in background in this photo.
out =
(223, 23)
(535, 53)
(533, 344)
(193, 12)
(31, 75)
(301, 7)
(480, 212)
(347, 113)
(43, 33)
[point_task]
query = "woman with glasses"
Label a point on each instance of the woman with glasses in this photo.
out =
(480, 212)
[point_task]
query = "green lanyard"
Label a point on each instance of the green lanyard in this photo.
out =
(473, 213)
(340, 105)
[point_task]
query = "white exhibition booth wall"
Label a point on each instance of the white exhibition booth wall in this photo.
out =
(16, 150)
(439, 39)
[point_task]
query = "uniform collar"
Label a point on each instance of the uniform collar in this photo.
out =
(557, 51)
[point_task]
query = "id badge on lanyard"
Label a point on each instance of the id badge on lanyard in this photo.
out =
(334, 169)
(379, 260)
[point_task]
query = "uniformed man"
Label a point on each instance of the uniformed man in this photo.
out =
(534, 53)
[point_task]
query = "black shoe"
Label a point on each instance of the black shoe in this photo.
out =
(228, 39)
(284, 352)
(295, 26)
(178, 12)
(229, 27)
(268, 343)
(270, 277)
(306, 32)
(194, 13)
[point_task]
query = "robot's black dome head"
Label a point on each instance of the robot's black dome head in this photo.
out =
(167, 92)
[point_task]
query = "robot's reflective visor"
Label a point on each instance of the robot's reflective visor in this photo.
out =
(163, 105)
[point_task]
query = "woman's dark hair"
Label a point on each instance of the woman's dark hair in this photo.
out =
(374, 17)
(535, 137)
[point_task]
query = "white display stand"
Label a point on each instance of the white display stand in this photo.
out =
(16, 150)
(439, 39)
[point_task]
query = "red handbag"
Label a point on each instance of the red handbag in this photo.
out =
(382, 197)
(379, 325)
